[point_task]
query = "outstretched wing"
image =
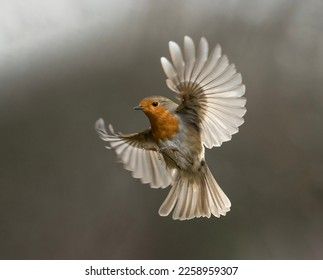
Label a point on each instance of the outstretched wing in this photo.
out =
(210, 88)
(138, 154)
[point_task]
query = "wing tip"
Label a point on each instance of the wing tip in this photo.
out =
(99, 124)
(203, 39)
(163, 60)
(243, 89)
(172, 43)
(111, 128)
(203, 42)
(174, 48)
(101, 130)
(187, 38)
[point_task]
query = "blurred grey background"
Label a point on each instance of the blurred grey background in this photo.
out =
(64, 64)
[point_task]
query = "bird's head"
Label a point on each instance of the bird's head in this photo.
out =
(154, 106)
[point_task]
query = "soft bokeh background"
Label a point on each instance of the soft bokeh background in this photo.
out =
(64, 64)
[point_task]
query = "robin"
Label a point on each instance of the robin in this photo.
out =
(209, 110)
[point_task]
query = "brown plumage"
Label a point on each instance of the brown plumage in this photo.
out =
(171, 152)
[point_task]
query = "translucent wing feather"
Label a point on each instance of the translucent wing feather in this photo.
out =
(209, 87)
(138, 154)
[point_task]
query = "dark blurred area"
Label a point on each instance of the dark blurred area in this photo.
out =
(62, 194)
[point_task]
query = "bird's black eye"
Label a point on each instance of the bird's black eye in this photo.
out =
(155, 104)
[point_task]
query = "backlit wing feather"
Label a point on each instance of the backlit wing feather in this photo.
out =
(138, 154)
(210, 88)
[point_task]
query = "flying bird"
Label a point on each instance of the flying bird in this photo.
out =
(209, 109)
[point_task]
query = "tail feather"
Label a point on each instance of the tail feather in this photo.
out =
(169, 202)
(195, 196)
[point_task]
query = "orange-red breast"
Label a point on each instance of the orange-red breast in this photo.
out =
(171, 152)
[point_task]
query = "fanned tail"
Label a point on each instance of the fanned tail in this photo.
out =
(194, 196)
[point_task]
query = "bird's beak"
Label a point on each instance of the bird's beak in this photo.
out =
(138, 108)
